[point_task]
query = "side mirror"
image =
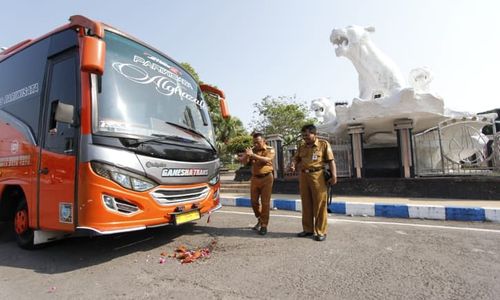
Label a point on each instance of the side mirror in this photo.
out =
(93, 55)
(222, 98)
(64, 113)
(224, 110)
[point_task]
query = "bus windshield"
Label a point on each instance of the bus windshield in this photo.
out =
(142, 92)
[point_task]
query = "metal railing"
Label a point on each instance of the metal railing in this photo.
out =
(341, 149)
(457, 147)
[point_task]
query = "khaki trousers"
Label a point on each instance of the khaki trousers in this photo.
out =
(313, 194)
(261, 187)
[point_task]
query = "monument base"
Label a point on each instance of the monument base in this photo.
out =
(381, 162)
(480, 188)
(244, 173)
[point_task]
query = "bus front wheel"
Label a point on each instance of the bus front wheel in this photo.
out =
(24, 234)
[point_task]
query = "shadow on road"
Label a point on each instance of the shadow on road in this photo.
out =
(81, 252)
(76, 253)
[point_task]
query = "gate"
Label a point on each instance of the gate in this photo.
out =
(458, 147)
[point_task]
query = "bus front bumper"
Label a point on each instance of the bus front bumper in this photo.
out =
(94, 231)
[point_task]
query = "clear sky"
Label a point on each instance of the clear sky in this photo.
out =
(255, 48)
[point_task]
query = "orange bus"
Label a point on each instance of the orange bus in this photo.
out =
(101, 133)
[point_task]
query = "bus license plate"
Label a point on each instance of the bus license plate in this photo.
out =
(187, 217)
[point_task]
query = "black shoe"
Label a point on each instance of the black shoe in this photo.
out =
(304, 234)
(320, 238)
(263, 231)
(257, 226)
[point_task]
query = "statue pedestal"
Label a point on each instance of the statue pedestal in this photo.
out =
(276, 141)
(356, 133)
(403, 129)
(383, 161)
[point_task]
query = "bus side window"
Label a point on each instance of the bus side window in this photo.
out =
(60, 136)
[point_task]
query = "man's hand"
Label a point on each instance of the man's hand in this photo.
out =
(292, 168)
(249, 152)
(242, 157)
(333, 180)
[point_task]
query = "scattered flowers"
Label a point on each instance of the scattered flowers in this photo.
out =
(186, 255)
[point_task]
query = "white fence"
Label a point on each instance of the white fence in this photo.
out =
(343, 156)
(341, 149)
(458, 147)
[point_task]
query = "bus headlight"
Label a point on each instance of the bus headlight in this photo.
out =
(215, 179)
(124, 178)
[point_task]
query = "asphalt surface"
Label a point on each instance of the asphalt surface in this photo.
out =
(362, 258)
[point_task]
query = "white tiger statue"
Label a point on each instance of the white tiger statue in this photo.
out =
(325, 112)
(379, 76)
(420, 79)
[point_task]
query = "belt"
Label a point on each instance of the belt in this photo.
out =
(312, 170)
(262, 175)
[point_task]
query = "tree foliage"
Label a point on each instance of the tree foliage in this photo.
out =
(191, 71)
(281, 115)
(239, 143)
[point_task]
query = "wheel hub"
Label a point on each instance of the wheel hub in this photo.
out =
(21, 221)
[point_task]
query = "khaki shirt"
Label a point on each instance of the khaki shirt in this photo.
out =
(259, 167)
(314, 157)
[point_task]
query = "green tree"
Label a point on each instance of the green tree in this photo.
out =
(191, 71)
(239, 143)
(228, 129)
(281, 115)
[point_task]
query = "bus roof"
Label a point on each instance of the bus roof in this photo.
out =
(94, 28)
(77, 21)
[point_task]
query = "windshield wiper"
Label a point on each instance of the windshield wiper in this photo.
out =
(158, 138)
(192, 131)
(202, 112)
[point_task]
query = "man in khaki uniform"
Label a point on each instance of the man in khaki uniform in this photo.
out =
(261, 185)
(310, 159)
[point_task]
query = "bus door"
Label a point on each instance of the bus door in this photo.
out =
(58, 146)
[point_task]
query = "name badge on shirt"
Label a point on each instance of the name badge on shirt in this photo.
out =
(315, 156)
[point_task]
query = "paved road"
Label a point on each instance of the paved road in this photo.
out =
(362, 258)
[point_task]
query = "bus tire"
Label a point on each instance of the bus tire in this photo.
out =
(24, 234)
